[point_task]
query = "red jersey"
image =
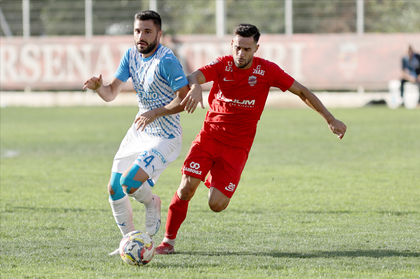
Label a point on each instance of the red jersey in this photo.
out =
(237, 98)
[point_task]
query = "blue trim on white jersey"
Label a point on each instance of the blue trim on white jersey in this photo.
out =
(155, 79)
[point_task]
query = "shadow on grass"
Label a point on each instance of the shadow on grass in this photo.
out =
(318, 254)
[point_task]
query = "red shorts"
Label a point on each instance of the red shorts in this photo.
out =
(223, 163)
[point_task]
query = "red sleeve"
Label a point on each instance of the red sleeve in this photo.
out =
(279, 78)
(212, 70)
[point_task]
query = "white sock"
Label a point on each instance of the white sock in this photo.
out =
(169, 241)
(123, 214)
(143, 194)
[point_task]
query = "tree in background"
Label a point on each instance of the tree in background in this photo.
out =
(387, 16)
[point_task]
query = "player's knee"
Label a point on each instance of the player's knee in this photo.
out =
(127, 180)
(188, 187)
(218, 206)
(110, 190)
(186, 193)
(130, 185)
(114, 187)
(217, 200)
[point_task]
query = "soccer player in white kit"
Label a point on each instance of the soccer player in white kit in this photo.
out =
(155, 137)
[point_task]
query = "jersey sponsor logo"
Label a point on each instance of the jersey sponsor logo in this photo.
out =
(231, 187)
(194, 165)
(194, 168)
(148, 95)
(160, 155)
(258, 71)
(252, 80)
(242, 103)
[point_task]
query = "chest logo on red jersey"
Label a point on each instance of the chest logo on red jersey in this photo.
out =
(252, 80)
(229, 67)
(258, 71)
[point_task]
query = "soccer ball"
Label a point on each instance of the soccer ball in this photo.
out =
(137, 248)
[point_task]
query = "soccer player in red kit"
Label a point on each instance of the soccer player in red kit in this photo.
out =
(241, 83)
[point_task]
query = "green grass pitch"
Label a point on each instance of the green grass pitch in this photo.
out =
(308, 205)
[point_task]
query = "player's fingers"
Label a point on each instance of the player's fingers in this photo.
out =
(339, 133)
(138, 122)
(139, 126)
(192, 109)
(143, 125)
(189, 106)
(185, 100)
(88, 84)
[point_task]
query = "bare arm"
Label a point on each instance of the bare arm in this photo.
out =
(309, 98)
(173, 107)
(107, 92)
(195, 95)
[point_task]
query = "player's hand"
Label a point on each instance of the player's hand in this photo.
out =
(193, 98)
(93, 83)
(338, 128)
(144, 119)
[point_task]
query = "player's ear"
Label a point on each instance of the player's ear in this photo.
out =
(256, 48)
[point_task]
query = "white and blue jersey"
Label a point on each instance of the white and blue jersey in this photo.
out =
(155, 79)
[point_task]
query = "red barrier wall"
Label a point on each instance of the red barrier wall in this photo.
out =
(321, 62)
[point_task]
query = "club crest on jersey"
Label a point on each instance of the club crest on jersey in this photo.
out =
(252, 80)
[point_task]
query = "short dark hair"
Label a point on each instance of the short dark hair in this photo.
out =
(150, 15)
(247, 30)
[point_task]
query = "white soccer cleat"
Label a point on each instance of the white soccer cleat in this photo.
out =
(153, 216)
(116, 252)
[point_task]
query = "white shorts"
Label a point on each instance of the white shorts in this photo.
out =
(152, 154)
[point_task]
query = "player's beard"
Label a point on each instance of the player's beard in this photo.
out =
(150, 47)
(243, 64)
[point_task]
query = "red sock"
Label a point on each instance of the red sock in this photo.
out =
(176, 215)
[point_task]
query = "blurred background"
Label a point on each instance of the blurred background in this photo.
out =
(328, 45)
(114, 17)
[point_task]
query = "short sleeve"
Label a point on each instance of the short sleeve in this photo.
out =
(211, 71)
(123, 71)
(279, 78)
(172, 71)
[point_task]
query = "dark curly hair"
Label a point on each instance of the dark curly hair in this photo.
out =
(150, 15)
(247, 30)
